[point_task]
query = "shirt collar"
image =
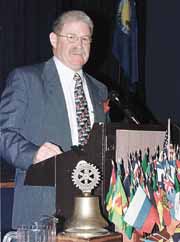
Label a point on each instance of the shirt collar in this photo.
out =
(63, 70)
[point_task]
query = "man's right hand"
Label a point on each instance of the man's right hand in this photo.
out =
(46, 151)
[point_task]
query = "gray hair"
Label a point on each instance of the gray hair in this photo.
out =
(71, 16)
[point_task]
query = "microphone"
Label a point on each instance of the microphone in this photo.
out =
(114, 97)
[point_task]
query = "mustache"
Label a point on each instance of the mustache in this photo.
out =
(78, 51)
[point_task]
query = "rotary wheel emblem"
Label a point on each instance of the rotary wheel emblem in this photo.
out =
(85, 176)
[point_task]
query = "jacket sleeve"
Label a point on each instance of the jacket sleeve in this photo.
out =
(14, 148)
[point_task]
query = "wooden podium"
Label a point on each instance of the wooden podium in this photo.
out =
(57, 171)
(104, 145)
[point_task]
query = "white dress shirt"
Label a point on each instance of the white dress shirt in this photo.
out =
(66, 79)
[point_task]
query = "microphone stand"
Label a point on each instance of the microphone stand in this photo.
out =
(114, 97)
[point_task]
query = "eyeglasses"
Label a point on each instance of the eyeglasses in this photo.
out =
(72, 38)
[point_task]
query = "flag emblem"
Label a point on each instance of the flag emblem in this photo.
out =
(124, 15)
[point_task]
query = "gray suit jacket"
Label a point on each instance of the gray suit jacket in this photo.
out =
(33, 111)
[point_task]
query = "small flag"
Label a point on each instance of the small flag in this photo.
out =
(145, 162)
(144, 214)
(178, 170)
(165, 142)
(162, 207)
(110, 194)
(177, 206)
(119, 204)
(176, 184)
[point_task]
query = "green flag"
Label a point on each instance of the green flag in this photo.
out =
(145, 162)
(110, 194)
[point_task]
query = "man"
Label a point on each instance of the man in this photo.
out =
(38, 111)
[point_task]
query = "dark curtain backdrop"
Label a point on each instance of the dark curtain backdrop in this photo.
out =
(162, 59)
(24, 36)
(25, 27)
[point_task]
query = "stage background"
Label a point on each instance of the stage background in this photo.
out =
(24, 30)
(162, 65)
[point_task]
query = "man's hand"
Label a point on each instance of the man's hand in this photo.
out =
(46, 151)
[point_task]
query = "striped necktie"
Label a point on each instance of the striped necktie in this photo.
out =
(82, 112)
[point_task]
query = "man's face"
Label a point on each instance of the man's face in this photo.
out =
(72, 54)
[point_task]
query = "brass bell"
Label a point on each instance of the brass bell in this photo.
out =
(86, 220)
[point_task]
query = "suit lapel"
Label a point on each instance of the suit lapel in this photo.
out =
(96, 100)
(56, 106)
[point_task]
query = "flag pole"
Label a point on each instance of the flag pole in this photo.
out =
(169, 136)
